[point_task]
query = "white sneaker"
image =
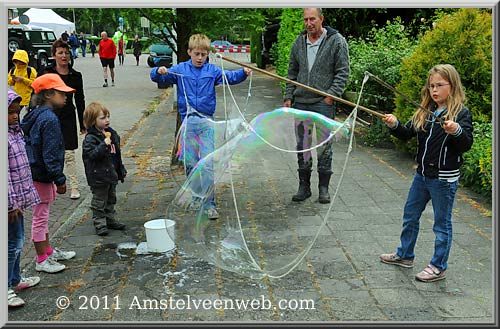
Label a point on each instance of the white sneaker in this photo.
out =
(13, 299)
(50, 266)
(27, 283)
(62, 255)
(212, 213)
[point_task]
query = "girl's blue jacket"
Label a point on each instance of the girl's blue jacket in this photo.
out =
(44, 145)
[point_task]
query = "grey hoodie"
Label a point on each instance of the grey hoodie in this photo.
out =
(329, 73)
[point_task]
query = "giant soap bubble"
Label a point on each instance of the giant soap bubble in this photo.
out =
(252, 175)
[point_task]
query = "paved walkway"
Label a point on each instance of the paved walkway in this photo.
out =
(340, 281)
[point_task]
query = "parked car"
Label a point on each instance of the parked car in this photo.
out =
(221, 44)
(160, 54)
(37, 41)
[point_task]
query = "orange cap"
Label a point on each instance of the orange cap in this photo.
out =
(50, 81)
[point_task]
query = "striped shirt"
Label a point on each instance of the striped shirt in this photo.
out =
(22, 192)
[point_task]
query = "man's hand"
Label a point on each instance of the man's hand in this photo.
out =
(247, 71)
(328, 100)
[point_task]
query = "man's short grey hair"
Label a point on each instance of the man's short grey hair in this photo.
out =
(320, 11)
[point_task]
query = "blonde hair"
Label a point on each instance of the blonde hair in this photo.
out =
(92, 112)
(199, 41)
(454, 102)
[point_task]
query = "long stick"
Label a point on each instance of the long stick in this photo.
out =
(298, 84)
(388, 86)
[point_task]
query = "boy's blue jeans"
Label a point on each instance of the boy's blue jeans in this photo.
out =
(15, 246)
(198, 143)
(442, 194)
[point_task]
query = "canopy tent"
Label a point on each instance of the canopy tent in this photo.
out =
(49, 19)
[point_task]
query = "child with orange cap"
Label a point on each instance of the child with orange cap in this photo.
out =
(45, 149)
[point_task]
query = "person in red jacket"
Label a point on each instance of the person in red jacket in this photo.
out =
(107, 54)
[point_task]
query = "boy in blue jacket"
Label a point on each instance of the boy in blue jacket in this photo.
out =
(196, 99)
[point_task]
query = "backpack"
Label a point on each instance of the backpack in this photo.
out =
(11, 71)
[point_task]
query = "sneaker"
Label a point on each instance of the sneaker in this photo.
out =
(116, 226)
(62, 255)
(394, 259)
(195, 205)
(27, 283)
(430, 274)
(112, 84)
(105, 84)
(75, 194)
(13, 299)
(212, 213)
(50, 266)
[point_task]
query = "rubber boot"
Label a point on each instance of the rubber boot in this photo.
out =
(304, 191)
(324, 181)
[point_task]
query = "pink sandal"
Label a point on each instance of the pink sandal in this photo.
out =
(430, 274)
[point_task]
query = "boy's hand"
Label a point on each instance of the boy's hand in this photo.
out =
(61, 189)
(247, 71)
(17, 78)
(162, 70)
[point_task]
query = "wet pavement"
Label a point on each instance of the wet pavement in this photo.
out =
(115, 278)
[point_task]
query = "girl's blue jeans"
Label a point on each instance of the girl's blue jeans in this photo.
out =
(442, 194)
(15, 245)
(199, 142)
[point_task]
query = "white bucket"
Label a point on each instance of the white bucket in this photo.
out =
(158, 240)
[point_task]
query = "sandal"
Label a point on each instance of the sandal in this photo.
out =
(430, 274)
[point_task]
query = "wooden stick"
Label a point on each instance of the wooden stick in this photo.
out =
(298, 84)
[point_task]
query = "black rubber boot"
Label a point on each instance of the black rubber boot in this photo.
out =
(304, 191)
(324, 181)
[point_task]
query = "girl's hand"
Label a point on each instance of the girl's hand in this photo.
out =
(390, 120)
(14, 215)
(247, 71)
(450, 127)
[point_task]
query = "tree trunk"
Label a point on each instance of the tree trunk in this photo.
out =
(184, 31)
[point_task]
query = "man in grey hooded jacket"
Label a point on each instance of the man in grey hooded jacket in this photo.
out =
(319, 58)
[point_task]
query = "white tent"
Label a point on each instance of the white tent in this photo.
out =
(49, 19)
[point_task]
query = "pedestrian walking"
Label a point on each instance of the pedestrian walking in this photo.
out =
(66, 114)
(443, 135)
(22, 195)
(196, 80)
(74, 43)
(83, 44)
(103, 167)
(121, 50)
(45, 149)
(137, 49)
(93, 48)
(319, 58)
(107, 54)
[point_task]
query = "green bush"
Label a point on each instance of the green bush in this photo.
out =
(477, 170)
(380, 53)
(292, 23)
(464, 40)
